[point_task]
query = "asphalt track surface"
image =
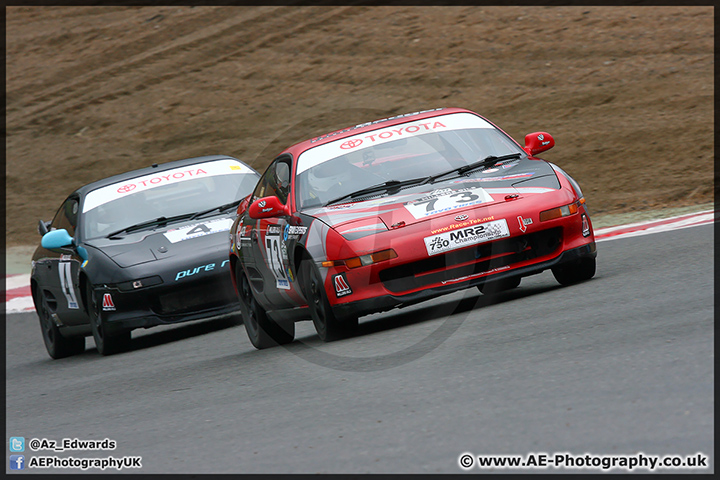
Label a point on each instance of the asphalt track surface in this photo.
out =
(620, 364)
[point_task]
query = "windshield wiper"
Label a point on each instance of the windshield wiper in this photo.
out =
(152, 223)
(389, 186)
(485, 162)
(220, 209)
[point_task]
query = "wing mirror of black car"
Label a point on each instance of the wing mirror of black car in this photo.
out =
(43, 227)
(61, 240)
(537, 142)
(267, 207)
(56, 239)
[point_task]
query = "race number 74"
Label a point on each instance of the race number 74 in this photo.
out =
(272, 248)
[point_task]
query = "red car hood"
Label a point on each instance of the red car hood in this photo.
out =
(387, 212)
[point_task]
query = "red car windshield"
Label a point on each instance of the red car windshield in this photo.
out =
(402, 152)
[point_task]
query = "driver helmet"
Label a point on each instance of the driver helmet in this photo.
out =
(322, 178)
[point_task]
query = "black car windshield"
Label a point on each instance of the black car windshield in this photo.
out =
(171, 194)
(412, 150)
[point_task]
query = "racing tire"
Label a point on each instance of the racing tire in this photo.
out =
(575, 271)
(56, 344)
(262, 331)
(497, 286)
(328, 326)
(108, 340)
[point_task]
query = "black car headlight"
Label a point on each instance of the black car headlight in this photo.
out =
(131, 285)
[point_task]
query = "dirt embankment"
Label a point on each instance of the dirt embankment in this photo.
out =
(627, 92)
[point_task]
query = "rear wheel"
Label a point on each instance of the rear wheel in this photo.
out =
(108, 340)
(57, 346)
(497, 286)
(575, 271)
(328, 326)
(262, 331)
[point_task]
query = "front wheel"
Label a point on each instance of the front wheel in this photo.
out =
(575, 271)
(328, 326)
(107, 340)
(56, 344)
(262, 331)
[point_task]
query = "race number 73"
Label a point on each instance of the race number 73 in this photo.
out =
(462, 197)
(444, 203)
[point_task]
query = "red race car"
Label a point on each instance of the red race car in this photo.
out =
(397, 211)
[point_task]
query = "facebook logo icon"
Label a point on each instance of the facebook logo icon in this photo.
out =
(17, 462)
(17, 444)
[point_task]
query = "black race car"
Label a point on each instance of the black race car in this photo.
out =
(139, 249)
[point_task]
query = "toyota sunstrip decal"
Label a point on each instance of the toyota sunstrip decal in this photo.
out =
(198, 230)
(361, 125)
(447, 200)
(322, 153)
(447, 241)
(133, 185)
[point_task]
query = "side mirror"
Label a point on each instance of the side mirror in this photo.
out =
(538, 142)
(267, 207)
(43, 227)
(56, 239)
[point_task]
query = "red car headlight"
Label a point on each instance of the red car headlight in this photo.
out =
(563, 211)
(363, 260)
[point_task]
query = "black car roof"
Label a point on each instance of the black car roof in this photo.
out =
(161, 167)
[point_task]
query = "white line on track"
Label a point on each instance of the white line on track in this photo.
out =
(654, 226)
